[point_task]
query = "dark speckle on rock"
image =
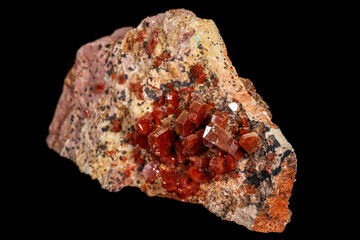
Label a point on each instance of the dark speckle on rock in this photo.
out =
(151, 94)
(275, 143)
(186, 84)
(105, 129)
(123, 96)
(254, 180)
(278, 169)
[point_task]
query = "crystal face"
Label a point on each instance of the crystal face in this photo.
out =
(144, 125)
(220, 118)
(234, 149)
(161, 140)
(198, 107)
(217, 136)
(217, 166)
(197, 72)
(172, 98)
(233, 106)
(198, 110)
(230, 163)
(183, 126)
(250, 142)
(192, 145)
(169, 160)
(150, 170)
(199, 175)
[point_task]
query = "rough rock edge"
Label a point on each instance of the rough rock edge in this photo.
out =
(271, 218)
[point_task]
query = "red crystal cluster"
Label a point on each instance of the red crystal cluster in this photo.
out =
(184, 152)
(197, 72)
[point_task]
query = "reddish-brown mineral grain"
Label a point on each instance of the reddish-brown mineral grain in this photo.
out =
(198, 107)
(178, 181)
(198, 110)
(183, 125)
(169, 160)
(122, 78)
(144, 124)
(234, 149)
(250, 142)
(160, 141)
(151, 170)
(172, 98)
(99, 88)
(197, 72)
(141, 140)
(217, 136)
(157, 115)
(230, 164)
(217, 166)
(199, 175)
(192, 144)
(220, 118)
(180, 157)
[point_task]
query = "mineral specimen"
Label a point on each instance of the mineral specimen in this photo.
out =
(160, 107)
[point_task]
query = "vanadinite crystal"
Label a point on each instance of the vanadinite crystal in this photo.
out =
(199, 174)
(144, 125)
(234, 149)
(161, 107)
(180, 157)
(151, 170)
(197, 72)
(141, 140)
(217, 165)
(161, 140)
(178, 181)
(192, 144)
(183, 125)
(220, 118)
(250, 142)
(169, 160)
(230, 164)
(172, 98)
(217, 136)
(197, 112)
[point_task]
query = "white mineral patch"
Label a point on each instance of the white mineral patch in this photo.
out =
(233, 106)
(207, 130)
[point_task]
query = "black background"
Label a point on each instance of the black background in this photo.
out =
(279, 47)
